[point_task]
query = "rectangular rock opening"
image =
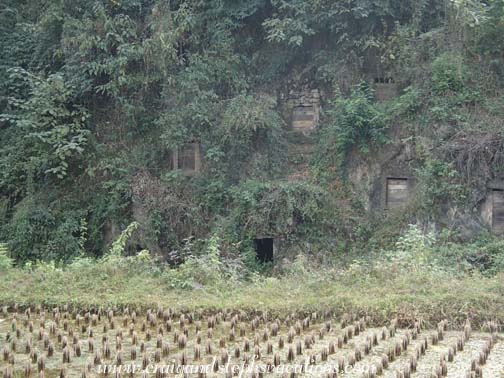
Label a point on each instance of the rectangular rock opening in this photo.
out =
(397, 192)
(187, 158)
(385, 88)
(264, 250)
(384, 80)
(498, 210)
(303, 117)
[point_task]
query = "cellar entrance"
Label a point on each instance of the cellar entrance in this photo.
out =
(264, 250)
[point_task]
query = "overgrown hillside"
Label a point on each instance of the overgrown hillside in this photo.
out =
(100, 100)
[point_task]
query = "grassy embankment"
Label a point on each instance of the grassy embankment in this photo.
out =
(383, 293)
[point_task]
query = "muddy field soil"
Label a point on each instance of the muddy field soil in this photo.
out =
(159, 343)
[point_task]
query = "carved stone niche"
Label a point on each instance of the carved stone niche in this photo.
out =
(187, 158)
(493, 208)
(305, 108)
(379, 75)
(385, 88)
(397, 191)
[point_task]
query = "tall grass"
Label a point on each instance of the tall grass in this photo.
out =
(406, 283)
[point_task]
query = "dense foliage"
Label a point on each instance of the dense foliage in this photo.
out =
(95, 95)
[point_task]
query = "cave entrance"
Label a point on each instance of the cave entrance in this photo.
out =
(264, 250)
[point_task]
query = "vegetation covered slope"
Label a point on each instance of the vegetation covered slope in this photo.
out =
(95, 96)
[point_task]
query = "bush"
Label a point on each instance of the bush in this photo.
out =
(484, 255)
(246, 121)
(51, 121)
(490, 40)
(206, 269)
(5, 261)
(449, 74)
(438, 185)
(43, 233)
(352, 122)
(119, 245)
(413, 249)
(417, 250)
(281, 208)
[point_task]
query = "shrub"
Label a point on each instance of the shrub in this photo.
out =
(51, 121)
(119, 245)
(449, 74)
(281, 208)
(438, 185)
(483, 255)
(39, 232)
(414, 248)
(203, 270)
(490, 37)
(5, 261)
(352, 122)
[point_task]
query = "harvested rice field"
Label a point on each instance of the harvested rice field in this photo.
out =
(98, 342)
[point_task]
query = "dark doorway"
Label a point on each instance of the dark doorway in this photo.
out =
(264, 250)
